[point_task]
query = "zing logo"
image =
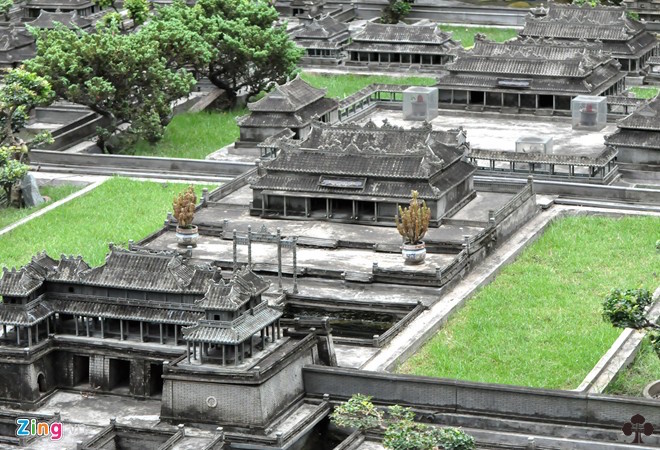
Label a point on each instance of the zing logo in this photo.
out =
(637, 425)
(30, 427)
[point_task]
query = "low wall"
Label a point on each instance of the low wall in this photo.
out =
(457, 396)
(615, 193)
(105, 163)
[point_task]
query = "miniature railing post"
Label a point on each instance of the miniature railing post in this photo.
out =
(295, 265)
(530, 182)
(235, 257)
(279, 259)
(249, 244)
(491, 217)
(205, 196)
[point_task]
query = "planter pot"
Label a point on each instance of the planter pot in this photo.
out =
(588, 118)
(414, 253)
(652, 390)
(187, 236)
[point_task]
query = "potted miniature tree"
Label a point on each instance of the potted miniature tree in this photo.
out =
(412, 224)
(184, 212)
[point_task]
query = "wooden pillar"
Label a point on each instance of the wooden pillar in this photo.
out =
(243, 351)
(187, 349)
(102, 328)
(18, 334)
(263, 339)
(201, 353)
(29, 330)
(236, 355)
(327, 208)
(87, 326)
(48, 326)
(141, 331)
(161, 332)
(121, 329)
(279, 330)
(4, 331)
(36, 333)
(375, 211)
(284, 204)
(176, 334)
(306, 207)
(223, 354)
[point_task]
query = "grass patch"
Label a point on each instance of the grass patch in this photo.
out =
(465, 35)
(11, 215)
(642, 371)
(193, 135)
(539, 322)
(644, 92)
(342, 85)
(118, 210)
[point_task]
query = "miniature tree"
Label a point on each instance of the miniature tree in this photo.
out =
(184, 207)
(413, 221)
(5, 6)
(395, 11)
(627, 309)
(401, 430)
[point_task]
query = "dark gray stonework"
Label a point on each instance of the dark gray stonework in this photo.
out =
(528, 74)
(360, 174)
(626, 39)
(638, 136)
(30, 191)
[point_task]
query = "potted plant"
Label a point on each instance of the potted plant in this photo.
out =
(184, 212)
(412, 224)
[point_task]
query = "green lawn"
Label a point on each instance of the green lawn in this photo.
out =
(11, 215)
(642, 371)
(193, 135)
(118, 210)
(539, 322)
(645, 92)
(343, 85)
(465, 35)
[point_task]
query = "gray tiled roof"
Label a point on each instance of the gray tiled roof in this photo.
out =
(624, 137)
(289, 97)
(27, 315)
(373, 188)
(619, 33)
(288, 120)
(147, 271)
(645, 117)
(387, 151)
(234, 332)
(402, 33)
(243, 286)
(70, 19)
(27, 279)
(325, 28)
(654, 60)
(405, 48)
(117, 308)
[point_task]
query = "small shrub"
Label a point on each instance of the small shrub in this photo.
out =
(184, 207)
(395, 11)
(413, 222)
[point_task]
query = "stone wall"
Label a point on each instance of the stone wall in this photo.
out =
(455, 396)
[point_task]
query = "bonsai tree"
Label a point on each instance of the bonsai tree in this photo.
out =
(627, 309)
(399, 426)
(184, 207)
(395, 11)
(413, 221)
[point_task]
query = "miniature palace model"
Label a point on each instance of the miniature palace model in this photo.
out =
(323, 40)
(638, 136)
(400, 44)
(293, 106)
(111, 328)
(529, 74)
(626, 39)
(360, 174)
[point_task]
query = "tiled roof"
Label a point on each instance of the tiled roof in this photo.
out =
(117, 308)
(289, 97)
(654, 60)
(645, 117)
(234, 332)
(12, 38)
(405, 47)
(624, 137)
(586, 22)
(288, 120)
(59, 4)
(324, 28)
(530, 57)
(373, 188)
(21, 282)
(319, 44)
(243, 286)
(70, 19)
(148, 271)
(401, 33)
(388, 151)
(25, 315)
